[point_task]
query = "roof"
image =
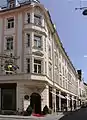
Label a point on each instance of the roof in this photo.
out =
(23, 3)
(85, 83)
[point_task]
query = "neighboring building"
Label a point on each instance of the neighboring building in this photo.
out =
(82, 89)
(85, 93)
(46, 76)
(85, 86)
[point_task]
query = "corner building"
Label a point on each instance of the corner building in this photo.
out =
(46, 75)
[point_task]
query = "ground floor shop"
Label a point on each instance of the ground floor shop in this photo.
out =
(19, 95)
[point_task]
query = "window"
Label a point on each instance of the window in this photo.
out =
(45, 67)
(37, 41)
(60, 80)
(63, 83)
(12, 5)
(28, 17)
(49, 51)
(10, 23)
(65, 73)
(28, 40)
(37, 66)
(59, 54)
(45, 44)
(49, 35)
(59, 67)
(10, 43)
(63, 70)
(56, 74)
(28, 65)
(56, 58)
(37, 20)
(63, 59)
(65, 63)
(50, 71)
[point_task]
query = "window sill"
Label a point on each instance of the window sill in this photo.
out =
(10, 28)
(34, 24)
(8, 50)
(37, 48)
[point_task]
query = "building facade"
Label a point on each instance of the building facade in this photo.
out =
(84, 94)
(46, 75)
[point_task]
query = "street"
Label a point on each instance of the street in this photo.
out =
(77, 115)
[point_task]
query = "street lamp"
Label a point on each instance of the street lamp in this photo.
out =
(9, 65)
(84, 12)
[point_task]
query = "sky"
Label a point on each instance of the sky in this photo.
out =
(71, 26)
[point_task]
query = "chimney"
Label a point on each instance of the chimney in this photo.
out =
(11, 3)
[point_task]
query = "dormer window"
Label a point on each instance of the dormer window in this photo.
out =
(10, 23)
(11, 3)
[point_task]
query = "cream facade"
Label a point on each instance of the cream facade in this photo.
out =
(45, 70)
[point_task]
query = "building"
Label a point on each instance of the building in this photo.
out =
(46, 76)
(84, 94)
(85, 86)
(82, 89)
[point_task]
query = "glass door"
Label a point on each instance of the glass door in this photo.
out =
(8, 99)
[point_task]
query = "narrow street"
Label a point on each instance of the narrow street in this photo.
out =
(77, 115)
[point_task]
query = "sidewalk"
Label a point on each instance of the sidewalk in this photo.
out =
(56, 116)
(52, 116)
(47, 117)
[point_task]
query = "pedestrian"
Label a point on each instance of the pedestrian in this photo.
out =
(65, 107)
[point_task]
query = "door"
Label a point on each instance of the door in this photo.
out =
(8, 99)
(35, 102)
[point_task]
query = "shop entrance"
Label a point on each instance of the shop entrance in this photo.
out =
(35, 102)
(8, 96)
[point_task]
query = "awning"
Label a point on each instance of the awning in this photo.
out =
(73, 99)
(53, 92)
(67, 97)
(59, 95)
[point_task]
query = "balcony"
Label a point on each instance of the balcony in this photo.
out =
(35, 27)
(22, 77)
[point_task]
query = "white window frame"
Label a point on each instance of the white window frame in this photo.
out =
(28, 63)
(28, 18)
(60, 67)
(28, 39)
(38, 40)
(10, 24)
(37, 19)
(49, 48)
(9, 40)
(50, 71)
(37, 64)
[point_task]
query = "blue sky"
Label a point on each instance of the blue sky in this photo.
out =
(72, 29)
